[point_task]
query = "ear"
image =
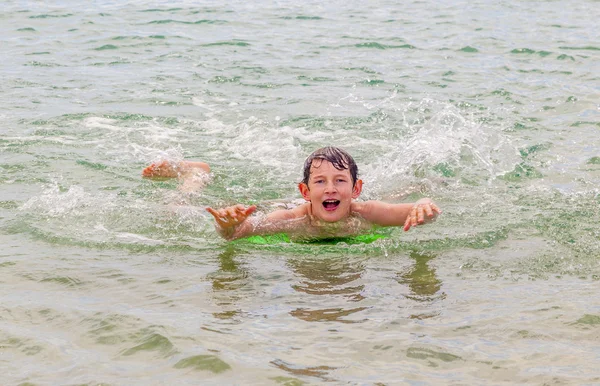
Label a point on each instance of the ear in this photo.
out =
(357, 189)
(304, 191)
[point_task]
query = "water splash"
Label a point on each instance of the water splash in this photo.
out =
(438, 143)
(73, 216)
(54, 202)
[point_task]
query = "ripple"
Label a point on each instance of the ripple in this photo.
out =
(237, 43)
(522, 51)
(48, 16)
(151, 342)
(35, 63)
(197, 22)
(24, 346)
(315, 78)
(161, 10)
(224, 79)
(594, 161)
(303, 371)
(583, 123)
(521, 172)
(309, 18)
(63, 280)
(565, 57)
(327, 315)
(380, 46)
(585, 48)
(363, 69)
(372, 82)
(210, 363)
(591, 320)
(430, 355)
(107, 47)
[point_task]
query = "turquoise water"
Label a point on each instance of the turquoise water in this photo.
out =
(490, 108)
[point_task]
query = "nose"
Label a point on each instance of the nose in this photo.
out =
(330, 187)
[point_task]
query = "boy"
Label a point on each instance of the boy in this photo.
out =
(329, 186)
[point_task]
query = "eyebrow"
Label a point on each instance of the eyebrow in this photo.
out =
(334, 176)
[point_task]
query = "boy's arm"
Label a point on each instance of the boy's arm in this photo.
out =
(179, 170)
(231, 221)
(194, 175)
(407, 215)
(234, 223)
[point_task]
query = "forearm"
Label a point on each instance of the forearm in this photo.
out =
(280, 221)
(186, 166)
(239, 231)
(385, 214)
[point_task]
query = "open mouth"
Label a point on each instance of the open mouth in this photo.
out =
(331, 204)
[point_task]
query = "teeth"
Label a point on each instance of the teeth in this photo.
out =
(331, 203)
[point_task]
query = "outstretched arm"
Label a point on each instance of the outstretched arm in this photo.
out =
(407, 215)
(233, 222)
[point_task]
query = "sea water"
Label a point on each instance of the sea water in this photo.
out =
(489, 108)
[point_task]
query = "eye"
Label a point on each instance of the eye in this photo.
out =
(318, 181)
(341, 180)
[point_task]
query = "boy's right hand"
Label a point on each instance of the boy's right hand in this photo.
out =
(230, 217)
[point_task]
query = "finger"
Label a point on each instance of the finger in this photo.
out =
(222, 213)
(413, 217)
(249, 210)
(231, 213)
(213, 212)
(436, 209)
(420, 215)
(240, 211)
(411, 220)
(148, 170)
(217, 216)
(407, 224)
(429, 210)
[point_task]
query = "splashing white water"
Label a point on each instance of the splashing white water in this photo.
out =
(54, 203)
(447, 139)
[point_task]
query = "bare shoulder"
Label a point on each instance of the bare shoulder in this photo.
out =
(360, 207)
(290, 214)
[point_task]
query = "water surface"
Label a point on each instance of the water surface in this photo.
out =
(490, 108)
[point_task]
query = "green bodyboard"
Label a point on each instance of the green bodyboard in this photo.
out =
(281, 238)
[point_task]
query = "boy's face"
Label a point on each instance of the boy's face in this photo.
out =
(330, 191)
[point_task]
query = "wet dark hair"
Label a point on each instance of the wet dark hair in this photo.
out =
(339, 158)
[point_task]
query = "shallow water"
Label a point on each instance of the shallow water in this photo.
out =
(489, 108)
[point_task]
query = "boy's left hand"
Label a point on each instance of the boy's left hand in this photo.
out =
(423, 207)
